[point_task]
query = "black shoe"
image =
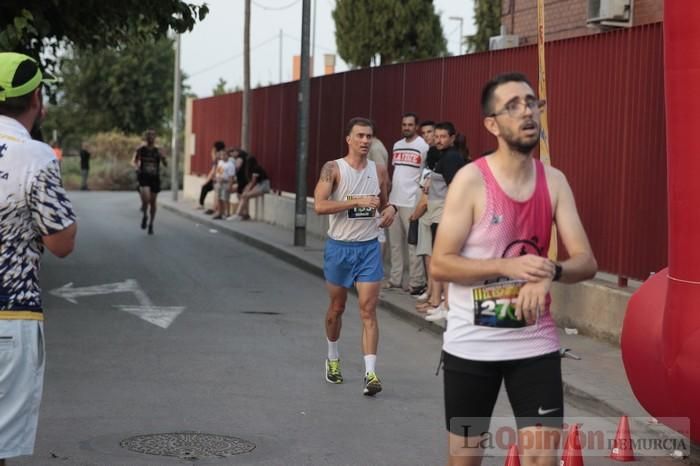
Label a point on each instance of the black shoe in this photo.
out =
(150, 229)
(144, 221)
(418, 290)
(209, 211)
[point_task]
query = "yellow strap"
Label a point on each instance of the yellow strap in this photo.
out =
(544, 135)
(21, 315)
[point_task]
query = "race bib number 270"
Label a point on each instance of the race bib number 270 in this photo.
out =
(494, 305)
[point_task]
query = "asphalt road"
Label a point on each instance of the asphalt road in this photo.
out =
(190, 331)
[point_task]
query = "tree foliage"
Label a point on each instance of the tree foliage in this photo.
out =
(221, 88)
(128, 89)
(487, 18)
(33, 26)
(394, 30)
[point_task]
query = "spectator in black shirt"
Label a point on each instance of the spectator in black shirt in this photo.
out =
(240, 157)
(258, 185)
(84, 167)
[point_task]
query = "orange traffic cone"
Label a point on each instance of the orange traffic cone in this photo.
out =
(513, 459)
(622, 445)
(572, 449)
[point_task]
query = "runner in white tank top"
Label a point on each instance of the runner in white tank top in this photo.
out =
(358, 223)
(492, 246)
(351, 190)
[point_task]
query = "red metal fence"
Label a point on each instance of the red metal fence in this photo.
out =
(606, 116)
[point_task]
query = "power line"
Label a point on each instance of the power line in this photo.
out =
(317, 45)
(234, 57)
(271, 8)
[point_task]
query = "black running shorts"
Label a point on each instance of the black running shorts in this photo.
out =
(150, 181)
(534, 388)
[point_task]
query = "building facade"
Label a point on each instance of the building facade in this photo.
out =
(570, 18)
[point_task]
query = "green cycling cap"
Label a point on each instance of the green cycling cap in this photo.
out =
(19, 75)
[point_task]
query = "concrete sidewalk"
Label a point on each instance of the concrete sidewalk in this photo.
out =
(597, 382)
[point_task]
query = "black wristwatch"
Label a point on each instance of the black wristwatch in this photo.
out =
(557, 272)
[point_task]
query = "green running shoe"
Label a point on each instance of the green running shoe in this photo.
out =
(333, 374)
(372, 384)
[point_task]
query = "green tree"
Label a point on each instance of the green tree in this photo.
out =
(394, 30)
(221, 88)
(35, 26)
(127, 89)
(487, 18)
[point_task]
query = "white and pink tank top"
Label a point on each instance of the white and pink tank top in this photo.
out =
(481, 324)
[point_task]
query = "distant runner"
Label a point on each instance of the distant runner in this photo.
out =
(147, 160)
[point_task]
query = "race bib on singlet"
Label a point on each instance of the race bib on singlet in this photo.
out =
(360, 212)
(494, 304)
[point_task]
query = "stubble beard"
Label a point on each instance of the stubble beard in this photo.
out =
(517, 145)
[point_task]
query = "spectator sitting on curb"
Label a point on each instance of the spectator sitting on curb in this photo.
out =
(209, 181)
(223, 184)
(259, 185)
(240, 158)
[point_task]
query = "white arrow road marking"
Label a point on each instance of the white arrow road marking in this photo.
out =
(69, 293)
(162, 316)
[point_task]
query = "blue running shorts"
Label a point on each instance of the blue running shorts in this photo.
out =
(348, 262)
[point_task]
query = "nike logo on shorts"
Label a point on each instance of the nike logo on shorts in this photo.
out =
(542, 412)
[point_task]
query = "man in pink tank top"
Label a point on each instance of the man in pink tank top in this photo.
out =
(492, 247)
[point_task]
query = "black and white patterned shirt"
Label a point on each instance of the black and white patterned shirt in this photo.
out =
(33, 204)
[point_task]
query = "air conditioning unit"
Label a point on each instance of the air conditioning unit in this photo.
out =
(611, 13)
(504, 41)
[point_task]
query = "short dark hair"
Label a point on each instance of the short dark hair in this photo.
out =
(358, 121)
(447, 126)
(427, 123)
(410, 114)
(13, 107)
(219, 145)
(490, 88)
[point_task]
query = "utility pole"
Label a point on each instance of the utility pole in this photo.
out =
(461, 33)
(313, 39)
(245, 110)
(174, 184)
(302, 130)
(281, 38)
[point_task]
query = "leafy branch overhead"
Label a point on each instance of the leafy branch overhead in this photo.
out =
(394, 30)
(33, 26)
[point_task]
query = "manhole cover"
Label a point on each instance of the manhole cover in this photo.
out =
(187, 445)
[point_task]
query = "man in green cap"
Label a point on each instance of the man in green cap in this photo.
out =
(34, 214)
